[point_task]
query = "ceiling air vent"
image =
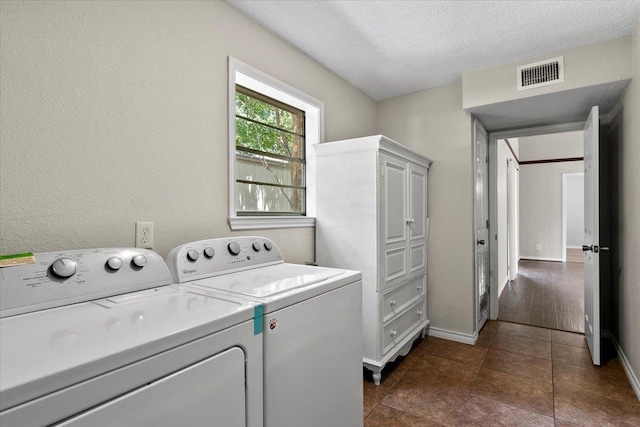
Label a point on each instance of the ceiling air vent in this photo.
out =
(543, 73)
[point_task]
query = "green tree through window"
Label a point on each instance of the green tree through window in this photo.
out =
(270, 156)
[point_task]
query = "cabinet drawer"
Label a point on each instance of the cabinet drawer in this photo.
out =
(395, 331)
(397, 300)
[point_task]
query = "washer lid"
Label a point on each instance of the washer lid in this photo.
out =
(268, 282)
(48, 350)
(279, 285)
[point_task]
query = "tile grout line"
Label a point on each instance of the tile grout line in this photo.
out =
(475, 381)
(553, 384)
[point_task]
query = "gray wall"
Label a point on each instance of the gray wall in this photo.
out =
(555, 146)
(433, 123)
(586, 66)
(115, 112)
(626, 218)
(574, 199)
(541, 196)
(541, 209)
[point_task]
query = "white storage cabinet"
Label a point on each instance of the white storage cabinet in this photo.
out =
(372, 217)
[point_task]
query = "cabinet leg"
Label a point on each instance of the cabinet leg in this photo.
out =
(423, 335)
(377, 376)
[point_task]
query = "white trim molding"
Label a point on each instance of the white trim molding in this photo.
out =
(452, 335)
(541, 258)
(264, 222)
(263, 83)
(633, 378)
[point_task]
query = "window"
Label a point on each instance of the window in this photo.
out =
(270, 156)
(272, 127)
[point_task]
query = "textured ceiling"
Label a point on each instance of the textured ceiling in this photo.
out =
(390, 48)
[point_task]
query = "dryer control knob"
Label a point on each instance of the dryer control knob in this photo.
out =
(209, 252)
(192, 255)
(139, 261)
(64, 267)
(114, 263)
(268, 246)
(234, 248)
(256, 247)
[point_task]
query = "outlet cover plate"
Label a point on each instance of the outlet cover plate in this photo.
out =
(144, 234)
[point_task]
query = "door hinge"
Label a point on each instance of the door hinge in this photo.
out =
(486, 158)
(487, 223)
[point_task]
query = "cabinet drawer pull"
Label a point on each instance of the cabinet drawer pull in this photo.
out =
(419, 312)
(392, 302)
(419, 287)
(393, 333)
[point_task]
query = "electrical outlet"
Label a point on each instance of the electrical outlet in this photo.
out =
(538, 247)
(144, 234)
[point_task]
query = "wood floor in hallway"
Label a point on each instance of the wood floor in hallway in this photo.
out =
(515, 375)
(546, 294)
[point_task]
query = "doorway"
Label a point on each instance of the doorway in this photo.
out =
(539, 247)
(541, 176)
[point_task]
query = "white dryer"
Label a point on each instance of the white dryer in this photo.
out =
(100, 337)
(312, 326)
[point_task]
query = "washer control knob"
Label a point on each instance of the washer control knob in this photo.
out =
(209, 252)
(192, 255)
(234, 248)
(64, 267)
(256, 247)
(268, 246)
(114, 263)
(139, 261)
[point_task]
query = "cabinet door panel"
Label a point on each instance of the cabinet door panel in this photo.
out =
(418, 256)
(394, 199)
(418, 220)
(394, 265)
(418, 200)
(393, 208)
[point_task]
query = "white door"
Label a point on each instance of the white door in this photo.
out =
(481, 223)
(592, 235)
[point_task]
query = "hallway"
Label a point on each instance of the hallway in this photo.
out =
(514, 375)
(545, 294)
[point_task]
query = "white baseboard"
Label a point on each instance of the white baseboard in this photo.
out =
(541, 258)
(633, 379)
(452, 335)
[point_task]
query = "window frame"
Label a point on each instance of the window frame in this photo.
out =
(258, 81)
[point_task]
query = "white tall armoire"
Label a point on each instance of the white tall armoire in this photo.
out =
(372, 217)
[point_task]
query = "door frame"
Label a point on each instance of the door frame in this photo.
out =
(493, 195)
(478, 127)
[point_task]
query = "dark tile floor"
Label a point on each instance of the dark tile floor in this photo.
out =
(515, 375)
(546, 294)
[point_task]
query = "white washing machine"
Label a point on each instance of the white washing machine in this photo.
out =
(100, 337)
(312, 326)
